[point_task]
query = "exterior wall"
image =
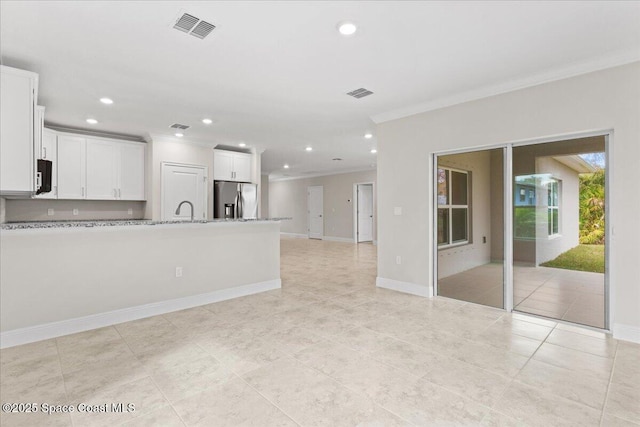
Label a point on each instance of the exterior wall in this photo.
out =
(548, 248)
(607, 99)
(289, 199)
(460, 258)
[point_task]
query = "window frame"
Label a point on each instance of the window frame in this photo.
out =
(556, 184)
(450, 207)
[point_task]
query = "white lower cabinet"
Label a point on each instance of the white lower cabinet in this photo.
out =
(100, 169)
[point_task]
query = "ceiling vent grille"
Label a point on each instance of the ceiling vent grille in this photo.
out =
(179, 126)
(360, 93)
(194, 26)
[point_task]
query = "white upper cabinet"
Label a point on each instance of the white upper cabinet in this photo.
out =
(131, 161)
(231, 166)
(101, 170)
(72, 168)
(18, 95)
(242, 167)
(49, 151)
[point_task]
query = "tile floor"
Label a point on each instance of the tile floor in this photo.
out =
(574, 296)
(330, 349)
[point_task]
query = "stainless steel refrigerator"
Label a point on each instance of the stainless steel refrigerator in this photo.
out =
(235, 200)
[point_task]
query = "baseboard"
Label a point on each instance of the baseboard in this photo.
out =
(406, 287)
(296, 235)
(626, 332)
(337, 239)
(81, 324)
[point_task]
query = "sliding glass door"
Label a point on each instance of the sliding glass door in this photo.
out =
(469, 218)
(540, 207)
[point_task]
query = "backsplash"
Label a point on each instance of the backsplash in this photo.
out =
(38, 210)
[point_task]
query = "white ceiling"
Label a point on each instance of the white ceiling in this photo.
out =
(275, 74)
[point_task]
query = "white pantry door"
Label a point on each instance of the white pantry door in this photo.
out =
(365, 212)
(183, 182)
(315, 204)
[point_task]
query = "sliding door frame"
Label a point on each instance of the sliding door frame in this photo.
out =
(609, 291)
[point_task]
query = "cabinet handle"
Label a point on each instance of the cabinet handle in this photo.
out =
(119, 194)
(115, 193)
(83, 192)
(55, 190)
(44, 149)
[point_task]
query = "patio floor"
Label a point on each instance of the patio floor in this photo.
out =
(574, 296)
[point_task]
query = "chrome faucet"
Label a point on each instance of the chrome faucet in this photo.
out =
(182, 203)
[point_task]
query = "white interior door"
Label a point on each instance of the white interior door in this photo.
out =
(180, 183)
(315, 203)
(365, 212)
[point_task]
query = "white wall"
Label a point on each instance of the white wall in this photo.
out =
(53, 275)
(289, 199)
(169, 150)
(608, 99)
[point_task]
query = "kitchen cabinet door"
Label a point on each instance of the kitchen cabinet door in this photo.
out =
(242, 167)
(49, 151)
(131, 171)
(101, 170)
(71, 167)
(17, 139)
(223, 165)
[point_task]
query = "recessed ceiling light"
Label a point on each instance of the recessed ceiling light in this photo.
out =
(309, 148)
(179, 134)
(242, 144)
(92, 121)
(374, 151)
(368, 135)
(347, 28)
(207, 121)
(286, 166)
(107, 101)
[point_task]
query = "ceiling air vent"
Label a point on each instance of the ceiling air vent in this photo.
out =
(195, 26)
(360, 93)
(179, 126)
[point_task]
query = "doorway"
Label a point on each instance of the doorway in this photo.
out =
(315, 210)
(524, 227)
(180, 182)
(364, 212)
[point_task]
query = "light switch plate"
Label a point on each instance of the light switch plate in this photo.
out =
(75, 211)
(130, 211)
(50, 212)
(397, 210)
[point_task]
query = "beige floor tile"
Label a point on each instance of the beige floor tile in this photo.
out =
(311, 398)
(613, 421)
(190, 378)
(143, 396)
(535, 407)
(604, 347)
(623, 401)
(494, 359)
(584, 389)
(39, 419)
(170, 357)
(31, 370)
(578, 361)
(363, 339)
(329, 357)
(22, 353)
(73, 358)
(496, 419)
(94, 379)
(470, 381)
(410, 358)
(231, 404)
(163, 417)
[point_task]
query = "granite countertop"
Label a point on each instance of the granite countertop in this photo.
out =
(29, 225)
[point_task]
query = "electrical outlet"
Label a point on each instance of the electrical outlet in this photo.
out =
(50, 212)
(397, 210)
(398, 260)
(178, 271)
(76, 212)
(130, 211)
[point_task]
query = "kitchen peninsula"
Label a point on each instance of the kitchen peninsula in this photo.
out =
(65, 277)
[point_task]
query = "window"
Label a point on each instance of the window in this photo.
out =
(553, 208)
(453, 207)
